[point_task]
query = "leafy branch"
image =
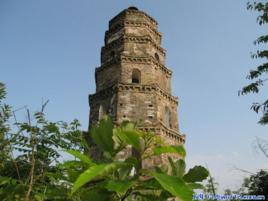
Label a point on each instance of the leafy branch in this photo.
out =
(261, 70)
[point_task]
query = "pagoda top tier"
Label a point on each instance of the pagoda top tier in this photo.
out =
(133, 13)
(133, 22)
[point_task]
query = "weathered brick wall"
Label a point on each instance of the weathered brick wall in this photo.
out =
(107, 76)
(107, 99)
(139, 107)
(162, 103)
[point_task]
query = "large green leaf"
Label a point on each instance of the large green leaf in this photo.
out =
(148, 184)
(102, 135)
(118, 141)
(87, 176)
(119, 186)
(175, 186)
(196, 174)
(80, 156)
(95, 171)
(91, 173)
(129, 137)
(170, 149)
(178, 167)
(127, 126)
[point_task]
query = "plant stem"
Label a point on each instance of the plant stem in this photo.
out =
(31, 174)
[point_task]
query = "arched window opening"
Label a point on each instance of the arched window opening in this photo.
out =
(136, 76)
(111, 109)
(167, 119)
(156, 56)
(102, 112)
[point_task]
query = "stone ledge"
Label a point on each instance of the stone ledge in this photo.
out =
(171, 134)
(146, 38)
(146, 60)
(147, 88)
(135, 59)
(133, 38)
(137, 87)
(122, 24)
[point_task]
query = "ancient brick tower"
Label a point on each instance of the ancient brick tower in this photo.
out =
(133, 82)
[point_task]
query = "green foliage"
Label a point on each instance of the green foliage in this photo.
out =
(120, 187)
(178, 167)
(30, 154)
(196, 174)
(5, 113)
(80, 156)
(129, 138)
(88, 175)
(257, 75)
(102, 135)
(174, 185)
(170, 149)
(31, 166)
(123, 177)
(258, 183)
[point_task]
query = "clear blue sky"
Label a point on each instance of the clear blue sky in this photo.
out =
(49, 49)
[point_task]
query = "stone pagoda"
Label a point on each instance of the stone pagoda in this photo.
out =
(132, 82)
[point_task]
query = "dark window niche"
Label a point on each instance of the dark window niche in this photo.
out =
(156, 56)
(136, 76)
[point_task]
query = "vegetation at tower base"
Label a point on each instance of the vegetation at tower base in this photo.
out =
(114, 178)
(257, 75)
(31, 168)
